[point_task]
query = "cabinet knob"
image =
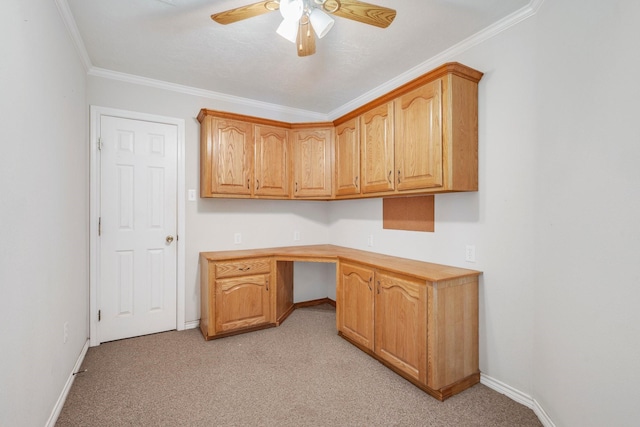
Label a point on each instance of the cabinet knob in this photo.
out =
(169, 239)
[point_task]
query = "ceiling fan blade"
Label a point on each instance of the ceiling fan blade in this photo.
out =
(244, 12)
(363, 12)
(306, 40)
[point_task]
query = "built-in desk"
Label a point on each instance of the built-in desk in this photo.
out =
(418, 318)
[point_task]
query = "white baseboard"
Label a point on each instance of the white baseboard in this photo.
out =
(51, 422)
(194, 324)
(519, 397)
(542, 415)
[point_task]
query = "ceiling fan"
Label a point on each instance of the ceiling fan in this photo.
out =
(301, 16)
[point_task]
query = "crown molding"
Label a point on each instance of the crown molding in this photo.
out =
(74, 33)
(189, 90)
(443, 57)
(305, 115)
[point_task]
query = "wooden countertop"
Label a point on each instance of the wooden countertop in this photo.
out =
(331, 253)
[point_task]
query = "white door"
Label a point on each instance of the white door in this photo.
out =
(138, 202)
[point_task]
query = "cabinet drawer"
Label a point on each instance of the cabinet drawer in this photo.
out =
(243, 267)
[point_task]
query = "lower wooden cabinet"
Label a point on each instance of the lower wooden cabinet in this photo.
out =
(401, 324)
(419, 319)
(425, 331)
(354, 305)
(242, 302)
(236, 296)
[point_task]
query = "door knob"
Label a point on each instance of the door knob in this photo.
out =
(169, 239)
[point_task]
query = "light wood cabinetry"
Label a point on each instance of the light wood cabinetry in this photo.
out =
(426, 330)
(348, 158)
(271, 165)
(401, 324)
(418, 136)
(236, 296)
(377, 148)
(227, 147)
(312, 169)
(354, 304)
(419, 319)
(242, 156)
(422, 137)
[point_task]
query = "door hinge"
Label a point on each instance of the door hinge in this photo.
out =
(99, 144)
(100, 226)
(99, 315)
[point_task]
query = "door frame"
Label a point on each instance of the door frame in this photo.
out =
(96, 112)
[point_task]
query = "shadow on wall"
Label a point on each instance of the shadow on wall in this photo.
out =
(315, 211)
(457, 207)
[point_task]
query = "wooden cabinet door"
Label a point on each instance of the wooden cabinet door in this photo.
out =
(242, 302)
(377, 140)
(400, 324)
(354, 307)
(312, 162)
(232, 156)
(418, 136)
(348, 158)
(271, 161)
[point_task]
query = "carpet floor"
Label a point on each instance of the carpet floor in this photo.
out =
(298, 374)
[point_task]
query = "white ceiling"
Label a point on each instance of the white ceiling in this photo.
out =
(176, 41)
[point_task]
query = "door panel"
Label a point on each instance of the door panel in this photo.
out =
(355, 304)
(138, 206)
(401, 320)
(418, 130)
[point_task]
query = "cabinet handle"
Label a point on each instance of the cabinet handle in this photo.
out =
(378, 287)
(398, 176)
(258, 186)
(369, 284)
(248, 184)
(389, 177)
(296, 187)
(356, 182)
(244, 268)
(267, 284)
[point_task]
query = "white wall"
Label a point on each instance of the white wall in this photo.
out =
(43, 212)
(587, 205)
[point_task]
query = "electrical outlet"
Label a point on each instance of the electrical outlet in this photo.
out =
(237, 238)
(370, 240)
(470, 253)
(296, 235)
(66, 332)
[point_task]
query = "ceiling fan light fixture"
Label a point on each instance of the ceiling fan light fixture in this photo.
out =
(291, 9)
(321, 22)
(288, 29)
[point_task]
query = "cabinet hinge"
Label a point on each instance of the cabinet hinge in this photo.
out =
(99, 144)
(99, 226)
(99, 315)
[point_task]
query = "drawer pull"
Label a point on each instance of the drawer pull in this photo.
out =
(244, 268)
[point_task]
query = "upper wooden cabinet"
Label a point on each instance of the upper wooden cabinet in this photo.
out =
(348, 158)
(377, 142)
(242, 156)
(420, 138)
(312, 162)
(227, 153)
(423, 135)
(271, 164)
